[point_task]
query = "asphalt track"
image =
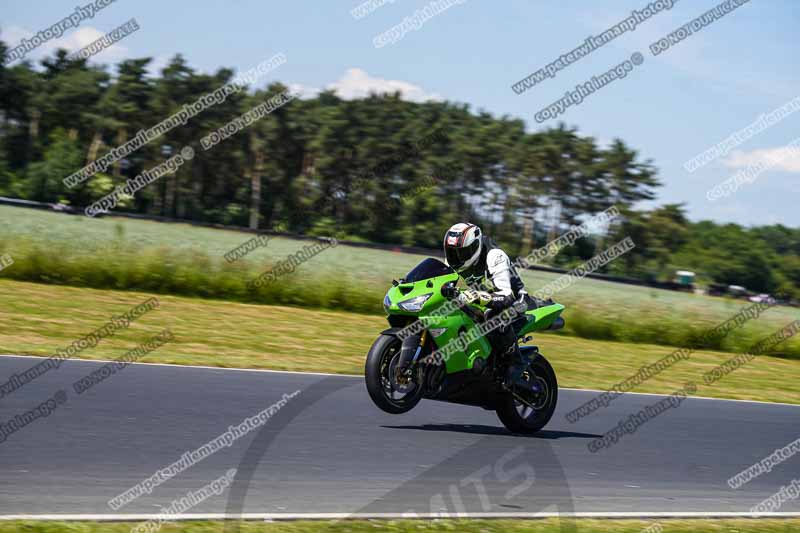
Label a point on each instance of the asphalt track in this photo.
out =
(329, 450)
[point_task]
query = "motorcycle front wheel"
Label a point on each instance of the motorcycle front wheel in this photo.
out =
(389, 389)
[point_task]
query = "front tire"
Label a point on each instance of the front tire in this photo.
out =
(385, 387)
(518, 417)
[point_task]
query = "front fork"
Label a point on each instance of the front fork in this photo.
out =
(410, 352)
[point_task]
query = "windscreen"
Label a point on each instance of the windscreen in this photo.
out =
(429, 268)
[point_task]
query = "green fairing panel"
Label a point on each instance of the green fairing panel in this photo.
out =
(457, 360)
(541, 318)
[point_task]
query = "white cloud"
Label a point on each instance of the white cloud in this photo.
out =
(72, 42)
(305, 91)
(158, 63)
(358, 84)
(784, 158)
(12, 35)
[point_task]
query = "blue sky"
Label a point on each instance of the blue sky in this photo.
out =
(670, 108)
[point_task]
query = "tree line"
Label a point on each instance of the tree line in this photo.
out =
(377, 169)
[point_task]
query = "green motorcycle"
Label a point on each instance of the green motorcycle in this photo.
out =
(437, 348)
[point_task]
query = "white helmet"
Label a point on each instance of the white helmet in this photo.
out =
(462, 245)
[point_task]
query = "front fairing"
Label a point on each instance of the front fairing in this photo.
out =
(445, 323)
(404, 292)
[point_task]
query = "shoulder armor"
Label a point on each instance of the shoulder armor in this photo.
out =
(497, 261)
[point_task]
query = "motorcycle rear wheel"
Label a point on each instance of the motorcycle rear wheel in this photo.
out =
(518, 417)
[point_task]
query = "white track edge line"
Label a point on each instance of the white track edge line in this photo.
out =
(204, 367)
(397, 516)
(267, 370)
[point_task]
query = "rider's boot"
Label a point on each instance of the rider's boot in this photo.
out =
(516, 375)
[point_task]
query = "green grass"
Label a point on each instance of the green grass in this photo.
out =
(126, 254)
(36, 319)
(399, 526)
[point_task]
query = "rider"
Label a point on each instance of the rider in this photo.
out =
(482, 263)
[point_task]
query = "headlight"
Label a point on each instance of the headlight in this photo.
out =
(414, 304)
(387, 303)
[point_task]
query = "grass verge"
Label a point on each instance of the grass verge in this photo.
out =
(36, 319)
(466, 526)
(180, 259)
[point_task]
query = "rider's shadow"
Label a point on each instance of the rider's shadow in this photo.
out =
(477, 429)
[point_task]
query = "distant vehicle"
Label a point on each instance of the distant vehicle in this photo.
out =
(762, 298)
(62, 208)
(684, 280)
(720, 289)
(737, 290)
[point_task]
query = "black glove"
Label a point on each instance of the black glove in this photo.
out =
(449, 291)
(500, 302)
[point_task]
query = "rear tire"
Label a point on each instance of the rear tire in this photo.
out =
(379, 375)
(519, 418)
